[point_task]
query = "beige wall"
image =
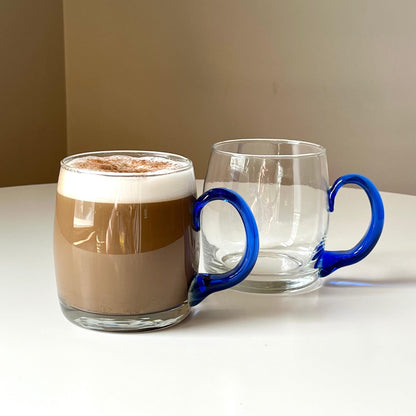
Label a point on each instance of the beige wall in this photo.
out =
(32, 91)
(180, 75)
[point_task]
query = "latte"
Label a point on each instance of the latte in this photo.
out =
(123, 238)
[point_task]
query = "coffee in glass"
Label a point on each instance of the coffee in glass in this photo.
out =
(125, 246)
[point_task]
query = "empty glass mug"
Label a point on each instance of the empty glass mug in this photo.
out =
(125, 246)
(285, 183)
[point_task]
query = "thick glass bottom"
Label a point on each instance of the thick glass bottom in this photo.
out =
(280, 285)
(283, 273)
(126, 323)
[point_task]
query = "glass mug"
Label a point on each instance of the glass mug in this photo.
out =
(285, 183)
(125, 245)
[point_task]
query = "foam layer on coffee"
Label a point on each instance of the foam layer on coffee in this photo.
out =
(108, 180)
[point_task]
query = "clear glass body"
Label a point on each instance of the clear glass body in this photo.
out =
(123, 244)
(285, 183)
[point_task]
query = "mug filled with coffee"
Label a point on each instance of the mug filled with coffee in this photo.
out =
(126, 240)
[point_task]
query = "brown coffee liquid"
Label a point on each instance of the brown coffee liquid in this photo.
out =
(124, 259)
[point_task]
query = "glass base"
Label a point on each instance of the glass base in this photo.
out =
(280, 273)
(280, 286)
(126, 323)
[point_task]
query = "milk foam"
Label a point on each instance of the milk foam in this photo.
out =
(169, 183)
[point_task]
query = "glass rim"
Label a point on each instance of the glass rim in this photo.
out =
(319, 150)
(64, 163)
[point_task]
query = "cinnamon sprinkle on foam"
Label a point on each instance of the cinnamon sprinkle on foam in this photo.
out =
(124, 164)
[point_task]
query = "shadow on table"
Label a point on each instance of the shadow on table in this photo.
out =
(240, 308)
(388, 282)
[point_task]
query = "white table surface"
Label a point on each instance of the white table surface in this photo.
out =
(347, 349)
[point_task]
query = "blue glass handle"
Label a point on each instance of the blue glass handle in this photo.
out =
(329, 261)
(204, 284)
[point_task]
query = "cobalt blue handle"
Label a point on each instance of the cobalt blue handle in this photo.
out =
(329, 261)
(204, 284)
